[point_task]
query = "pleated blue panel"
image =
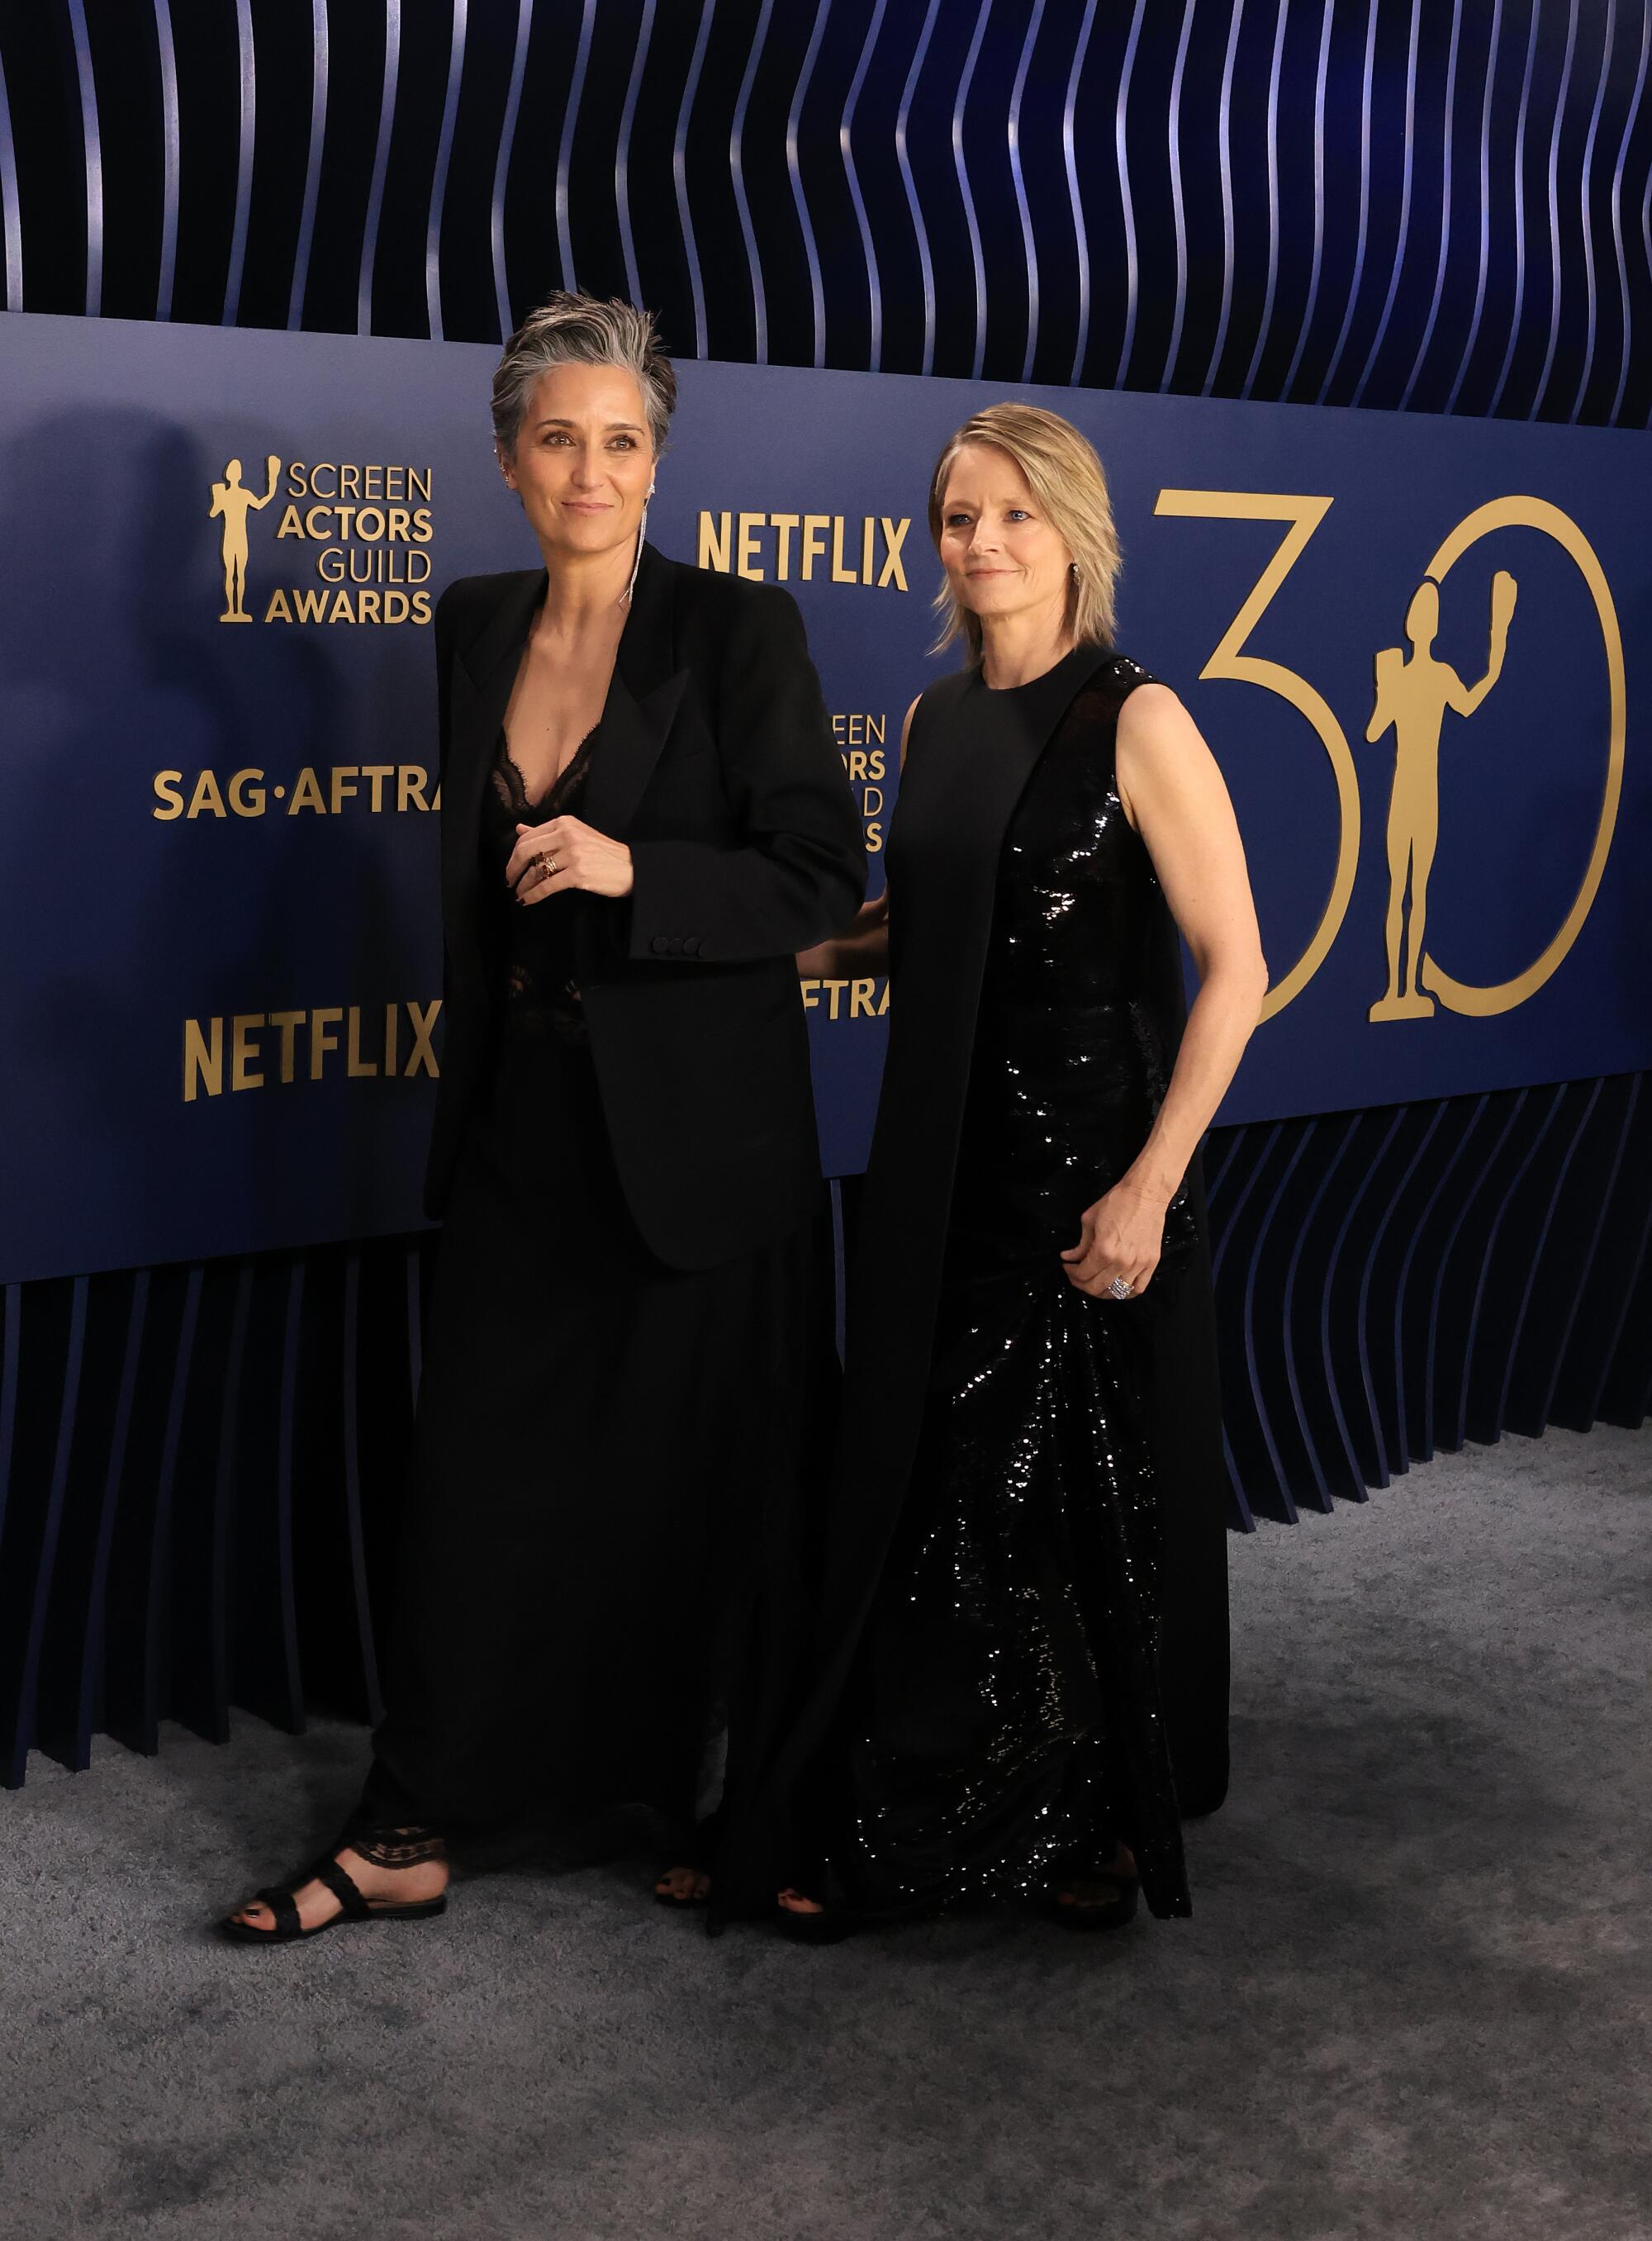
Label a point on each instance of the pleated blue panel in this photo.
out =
(202, 1465)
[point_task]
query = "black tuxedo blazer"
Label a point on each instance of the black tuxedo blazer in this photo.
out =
(717, 766)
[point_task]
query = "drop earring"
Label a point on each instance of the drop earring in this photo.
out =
(642, 531)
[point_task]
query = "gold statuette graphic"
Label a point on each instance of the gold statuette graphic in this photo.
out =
(1413, 693)
(232, 502)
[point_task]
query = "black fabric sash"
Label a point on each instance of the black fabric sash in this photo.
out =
(959, 789)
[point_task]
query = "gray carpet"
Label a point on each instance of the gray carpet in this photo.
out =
(1413, 2002)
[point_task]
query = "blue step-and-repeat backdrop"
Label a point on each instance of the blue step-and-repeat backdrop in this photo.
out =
(220, 971)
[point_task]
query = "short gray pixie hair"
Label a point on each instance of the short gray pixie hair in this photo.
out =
(578, 330)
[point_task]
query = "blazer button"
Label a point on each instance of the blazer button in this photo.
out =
(659, 945)
(676, 946)
(691, 946)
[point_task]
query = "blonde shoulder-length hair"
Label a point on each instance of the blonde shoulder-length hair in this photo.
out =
(1066, 477)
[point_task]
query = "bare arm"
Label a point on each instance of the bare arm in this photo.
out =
(863, 945)
(1173, 794)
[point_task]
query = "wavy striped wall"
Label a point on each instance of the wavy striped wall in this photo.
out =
(1445, 208)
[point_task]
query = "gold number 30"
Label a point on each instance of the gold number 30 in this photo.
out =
(1230, 659)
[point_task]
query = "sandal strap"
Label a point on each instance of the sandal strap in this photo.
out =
(338, 1881)
(280, 1903)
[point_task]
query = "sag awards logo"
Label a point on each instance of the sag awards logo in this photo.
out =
(359, 534)
(1414, 693)
(350, 544)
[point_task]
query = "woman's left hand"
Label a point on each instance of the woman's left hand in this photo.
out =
(1120, 1239)
(561, 853)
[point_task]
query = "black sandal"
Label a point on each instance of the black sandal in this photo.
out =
(356, 1907)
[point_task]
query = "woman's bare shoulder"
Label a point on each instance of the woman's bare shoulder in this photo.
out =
(1151, 711)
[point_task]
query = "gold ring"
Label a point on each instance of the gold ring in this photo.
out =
(549, 865)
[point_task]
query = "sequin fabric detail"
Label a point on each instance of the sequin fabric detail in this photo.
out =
(1009, 1721)
(1080, 1007)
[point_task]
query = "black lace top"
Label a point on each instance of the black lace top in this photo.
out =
(540, 989)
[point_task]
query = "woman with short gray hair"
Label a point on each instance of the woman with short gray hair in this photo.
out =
(644, 815)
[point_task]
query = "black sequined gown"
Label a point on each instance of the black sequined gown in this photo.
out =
(1001, 1717)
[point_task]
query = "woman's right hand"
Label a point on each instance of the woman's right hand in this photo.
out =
(862, 948)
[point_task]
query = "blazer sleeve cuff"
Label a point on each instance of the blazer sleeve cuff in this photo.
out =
(662, 912)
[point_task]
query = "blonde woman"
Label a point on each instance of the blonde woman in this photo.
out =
(1032, 1433)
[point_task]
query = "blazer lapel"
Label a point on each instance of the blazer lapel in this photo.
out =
(644, 696)
(483, 675)
(633, 733)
